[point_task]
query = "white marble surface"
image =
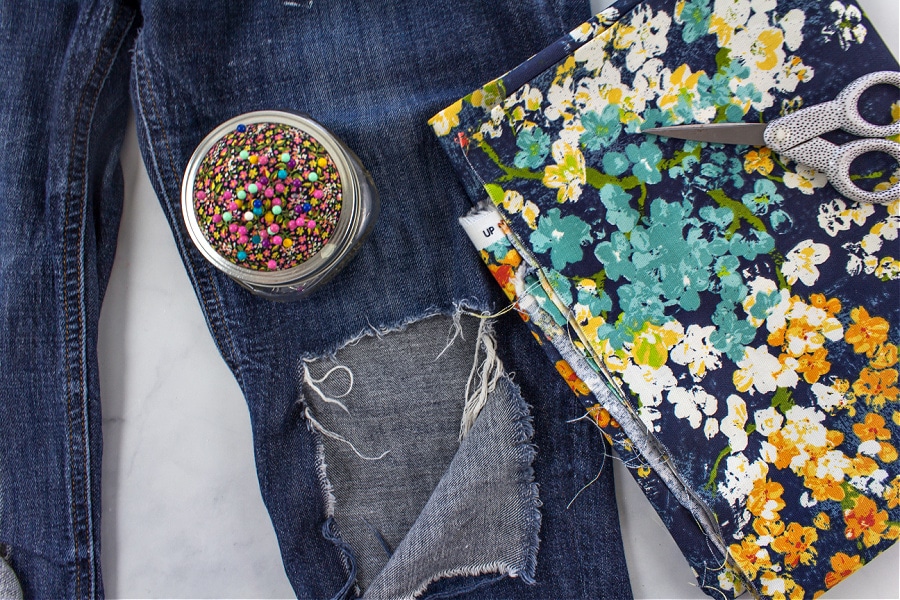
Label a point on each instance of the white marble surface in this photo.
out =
(182, 512)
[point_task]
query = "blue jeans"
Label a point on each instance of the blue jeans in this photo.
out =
(374, 495)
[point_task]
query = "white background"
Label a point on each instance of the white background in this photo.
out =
(182, 512)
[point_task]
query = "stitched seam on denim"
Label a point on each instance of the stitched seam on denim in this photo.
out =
(327, 490)
(83, 115)
(211, 299)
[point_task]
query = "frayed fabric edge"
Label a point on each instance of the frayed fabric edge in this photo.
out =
(457, 308)
(529, 497)
(496, 568)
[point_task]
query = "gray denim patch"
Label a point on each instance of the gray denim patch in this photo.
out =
(413, 501)
(9, 584)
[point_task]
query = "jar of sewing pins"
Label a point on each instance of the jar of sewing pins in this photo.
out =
(277, 202)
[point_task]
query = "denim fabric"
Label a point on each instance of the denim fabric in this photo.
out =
(371, 73)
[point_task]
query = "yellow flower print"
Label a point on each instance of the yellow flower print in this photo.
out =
(797, 545)
(681, 83)
(722, 28)
(601, 416)
(872, 428)
(765, 499)
(888, 268)
(759, 161)
(530, 213)
(865, 520)
(574, 383)
(766, 47)
(825, 488)
(813, 366)
(513, 201)
(568, 174)
(822, 521)
(768, 529)
(830, 305)
(887, 453)
(447, 119)
(892, 493)
(843, 566)
(877, 387)
(862, 466)
(749, 556)
(652, 344)
(867, 332)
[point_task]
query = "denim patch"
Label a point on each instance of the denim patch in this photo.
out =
(729, 319)
(437, 455)
(9, 585)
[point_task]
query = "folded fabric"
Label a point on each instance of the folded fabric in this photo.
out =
(729, 320)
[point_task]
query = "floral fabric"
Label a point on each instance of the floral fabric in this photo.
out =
(730, 321)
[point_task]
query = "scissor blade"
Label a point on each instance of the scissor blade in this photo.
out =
(750, 134)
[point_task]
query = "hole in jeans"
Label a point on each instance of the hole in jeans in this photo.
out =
(425, 456)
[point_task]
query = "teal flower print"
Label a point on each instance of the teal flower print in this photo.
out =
(615, 255)
(763, 197)
(618, 207)
(534, 147)
(615, 163)
(645, 160)
(562, 236)
(600, 130)
(733, 334)
(695, 16)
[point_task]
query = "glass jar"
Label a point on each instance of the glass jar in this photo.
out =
(277, 202)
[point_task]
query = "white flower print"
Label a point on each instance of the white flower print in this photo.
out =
(692, 404)
(732, 425)
(847, 26)
(806, 179)
(768, 421)
(800, 263)
(828, 398)
(835, 216)
(645, 36)
(740, 475)
(763, 372)
(696, 351)
(649, 383)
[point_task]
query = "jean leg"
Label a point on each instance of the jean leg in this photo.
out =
(63, 108)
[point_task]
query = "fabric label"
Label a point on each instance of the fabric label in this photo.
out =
(483, 227)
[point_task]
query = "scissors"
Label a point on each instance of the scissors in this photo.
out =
(797, 136)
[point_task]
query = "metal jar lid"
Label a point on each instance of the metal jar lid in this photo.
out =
(277, 202)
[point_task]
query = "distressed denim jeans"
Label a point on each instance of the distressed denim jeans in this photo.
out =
(406, 444)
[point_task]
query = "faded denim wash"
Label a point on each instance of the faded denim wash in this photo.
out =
(373, 73)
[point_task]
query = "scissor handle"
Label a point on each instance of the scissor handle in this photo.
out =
(848, 99)
(790, 131)
(838, 170)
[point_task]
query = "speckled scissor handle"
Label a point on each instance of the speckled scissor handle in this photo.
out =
(797, 137)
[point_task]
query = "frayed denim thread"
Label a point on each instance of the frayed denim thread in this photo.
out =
(328, 530)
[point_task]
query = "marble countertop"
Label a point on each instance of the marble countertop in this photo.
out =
(182, 512)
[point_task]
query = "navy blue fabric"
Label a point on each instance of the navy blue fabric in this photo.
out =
(373, 74)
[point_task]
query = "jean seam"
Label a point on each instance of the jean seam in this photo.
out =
(75, 332)
(211, 299)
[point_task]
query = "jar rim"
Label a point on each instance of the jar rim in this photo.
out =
(335, 247)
